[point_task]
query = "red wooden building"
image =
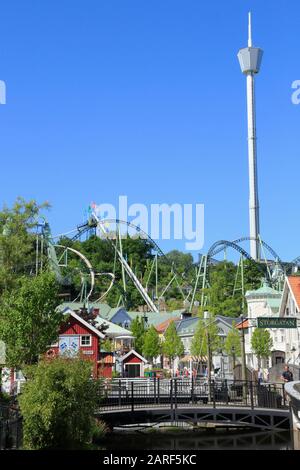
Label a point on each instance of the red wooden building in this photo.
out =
(76, 336)
(133, 364)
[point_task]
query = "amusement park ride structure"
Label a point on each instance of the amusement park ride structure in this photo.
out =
(60, 257)
(273, 269)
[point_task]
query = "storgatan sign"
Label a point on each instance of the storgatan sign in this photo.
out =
(276, 322)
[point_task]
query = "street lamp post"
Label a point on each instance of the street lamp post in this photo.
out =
(244, 376)
(233, 358)
(206, 319)
(222, 372)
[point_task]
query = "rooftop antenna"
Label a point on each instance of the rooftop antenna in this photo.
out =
(249, 30)
(250, 59)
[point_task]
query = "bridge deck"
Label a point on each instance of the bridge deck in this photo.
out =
(245, 416)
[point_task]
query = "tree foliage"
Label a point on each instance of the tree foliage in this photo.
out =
(224, 277)
(152, 345)
(232, 344)
(138, 330)
(261, 343)
(172, 345)
(29, 319)
(206, 331)
(18, 258)
(17, 241)
(57, 404)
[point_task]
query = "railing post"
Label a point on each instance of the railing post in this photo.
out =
(120, 390)
(175, 390)
(158, 390)
(284, 395)
(213, 394)
(226, 391)
(192, 390)
(171, 393)
(251, 395)
(269, 400)
(154, 384)
(132, 397)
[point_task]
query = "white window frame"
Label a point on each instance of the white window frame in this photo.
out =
(85, 336)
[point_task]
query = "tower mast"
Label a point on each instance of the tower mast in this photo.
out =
(250, 60)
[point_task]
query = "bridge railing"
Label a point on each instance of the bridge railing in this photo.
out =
(293, 392)
(179, 392)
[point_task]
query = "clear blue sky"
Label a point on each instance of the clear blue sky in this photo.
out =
(146, 98)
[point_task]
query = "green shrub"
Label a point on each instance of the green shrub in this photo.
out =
(57, 403)
(115, 374)
(99, 431)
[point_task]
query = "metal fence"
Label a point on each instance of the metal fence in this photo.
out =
(179, 392)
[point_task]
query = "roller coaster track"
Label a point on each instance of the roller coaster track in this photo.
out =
(220, 245)
(130, 273)
(93, 224)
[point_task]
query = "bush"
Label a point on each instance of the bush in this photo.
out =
(99, 430)
(57, 403)
(115, 374)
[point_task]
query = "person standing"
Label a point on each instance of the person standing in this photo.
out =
(287, 375)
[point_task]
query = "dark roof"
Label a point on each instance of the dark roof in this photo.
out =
(188, 325)
(229, 320)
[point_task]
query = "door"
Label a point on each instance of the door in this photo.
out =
(68, 345)
(132, 370)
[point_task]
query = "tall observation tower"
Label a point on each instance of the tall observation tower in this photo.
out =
(250, 60)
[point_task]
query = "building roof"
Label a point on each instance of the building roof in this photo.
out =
(264, 291)
(294, 284)
(105, 311)
(188, 326)
(161, 327)
(73, 314)
(154, 318)
(228, 320)
(112, 331)
(243, 325)
(134, 353)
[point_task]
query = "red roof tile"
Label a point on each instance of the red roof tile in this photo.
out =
(161, 328)
(294, 282)
(243, 325)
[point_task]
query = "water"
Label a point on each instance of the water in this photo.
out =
(205, 439)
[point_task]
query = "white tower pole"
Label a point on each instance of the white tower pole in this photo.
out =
(250, 60)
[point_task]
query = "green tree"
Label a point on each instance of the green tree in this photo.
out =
(206, 333)
(29, 318)
(225, 295)
(17, 241)
(138, 330)
(152, 346)
(261, 343)
(57, 404)
(107, 345)
(232, 344)
(172, 345)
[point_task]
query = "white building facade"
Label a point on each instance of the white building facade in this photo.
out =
(264, 302)
(290, 307)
